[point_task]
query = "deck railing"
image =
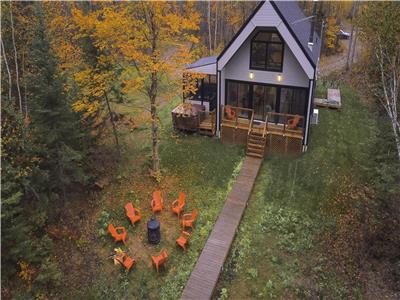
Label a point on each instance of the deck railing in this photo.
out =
(277, 123)
(281, 121)
(239, 115)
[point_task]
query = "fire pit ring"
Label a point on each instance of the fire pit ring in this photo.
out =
(153, 231)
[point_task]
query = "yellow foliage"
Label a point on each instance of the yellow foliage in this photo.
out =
(331, 33)
(26, 273)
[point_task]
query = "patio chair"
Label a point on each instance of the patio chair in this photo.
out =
(132, 213)
(229, 112)
(178, 204)
(188, 219)
(116, 235)
(292, 123)
(125, 261)
(160, 259)
(157, 202)
(183, 240)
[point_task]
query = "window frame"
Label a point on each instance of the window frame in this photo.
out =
(282, 43)
(278, 87)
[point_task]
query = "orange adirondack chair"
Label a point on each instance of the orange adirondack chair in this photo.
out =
(125, 261)
(229, 112)
(160, 259)
(117, 236)
(157, 202)
(183, 239)
(188, 219)
(292, 123)
(178, 204)
(132, 213)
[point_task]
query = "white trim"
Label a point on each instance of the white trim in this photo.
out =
(218, 133)
(273, 21)
(308, 110)
(210, 69)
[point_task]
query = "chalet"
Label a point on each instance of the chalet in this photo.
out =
(258, 91)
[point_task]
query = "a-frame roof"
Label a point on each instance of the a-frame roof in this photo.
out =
(290, 14)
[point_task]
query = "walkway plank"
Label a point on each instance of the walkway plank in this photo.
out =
(206, 272)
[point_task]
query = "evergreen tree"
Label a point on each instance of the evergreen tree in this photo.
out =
(56, 126)
(16, 168)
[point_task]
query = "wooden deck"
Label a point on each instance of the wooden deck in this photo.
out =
(205, 274)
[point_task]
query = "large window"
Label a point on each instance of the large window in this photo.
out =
(263, 98)
(239, 95)
(266, 52)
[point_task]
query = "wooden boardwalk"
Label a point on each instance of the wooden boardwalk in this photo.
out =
(205, 274)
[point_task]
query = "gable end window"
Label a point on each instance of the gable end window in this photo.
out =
(266, 52)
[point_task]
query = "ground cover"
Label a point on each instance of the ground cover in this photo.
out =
(300, 210)
(200, 166)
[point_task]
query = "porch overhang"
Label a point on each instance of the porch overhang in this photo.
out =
(205, 65)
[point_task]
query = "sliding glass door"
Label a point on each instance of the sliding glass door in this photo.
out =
(238, 95)
(293, 101)
(265, 98)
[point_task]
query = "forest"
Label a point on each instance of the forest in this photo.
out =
(87, 90)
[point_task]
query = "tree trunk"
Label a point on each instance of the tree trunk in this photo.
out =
(24, 82)
(113, 125)
(390, 101)
(8, 69)
(353, 10)
(396, 132)
(154, 123)
(216, 25)
(354, 49)
(209, 25)
(15, 58)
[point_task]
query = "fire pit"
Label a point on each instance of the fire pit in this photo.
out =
(153, 231)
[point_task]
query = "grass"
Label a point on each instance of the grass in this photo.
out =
(202, 167)
(277, 252)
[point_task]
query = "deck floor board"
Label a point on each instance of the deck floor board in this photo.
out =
(205, 274)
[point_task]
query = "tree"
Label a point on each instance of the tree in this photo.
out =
(93, 71)
(353, 36)
(331, 32)
(154, 38)
(55, 124)
(380, 29)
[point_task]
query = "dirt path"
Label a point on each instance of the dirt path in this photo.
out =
(337, 62)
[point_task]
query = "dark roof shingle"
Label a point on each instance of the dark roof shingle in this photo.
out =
(292, 13)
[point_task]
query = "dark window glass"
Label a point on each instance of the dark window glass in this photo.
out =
(274, 59)
(209, 89)
(264, 99)
(232, 93)
(266, 51)
(258, 55)
(293, 101)
(243, 98)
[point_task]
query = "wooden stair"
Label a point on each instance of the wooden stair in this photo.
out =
(207, 125)
(206, 128)
(256, 139)
(256, 144)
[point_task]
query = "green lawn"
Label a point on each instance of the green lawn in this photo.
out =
(277, 253)
(202, 167)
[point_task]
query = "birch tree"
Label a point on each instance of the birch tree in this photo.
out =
(380, 28)
(15, 58)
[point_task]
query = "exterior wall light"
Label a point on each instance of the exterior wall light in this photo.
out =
(279, 77)
(251, 75)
